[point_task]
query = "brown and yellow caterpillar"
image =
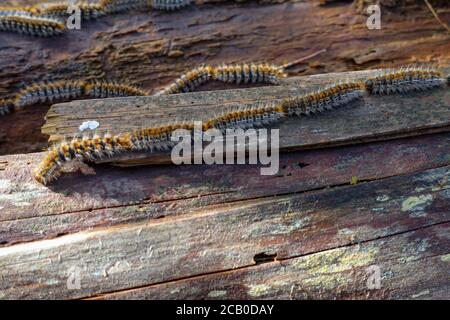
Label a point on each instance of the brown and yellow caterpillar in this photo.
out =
(99, 89)
(189, 81)
(25, 23)
(332, 97)
(87, 148)
(62, 91)
(60, 9)
(49, 92)
(405, 80)
(230, 73)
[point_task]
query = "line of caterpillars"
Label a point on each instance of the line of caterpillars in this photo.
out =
(60, 91)
(48, 19)
(90, 148)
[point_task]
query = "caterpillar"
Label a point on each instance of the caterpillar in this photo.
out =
(115, 6)
(403, 81)
(49, 92)
(59, 10)
(249, 73)
(232, 73)
(60, 91)
(25, 23)
(169, 5)
(88, 148)
(327, 99)
(8, 11)
(112, 89)
(6, 106)
(189, 81)
(247, 117)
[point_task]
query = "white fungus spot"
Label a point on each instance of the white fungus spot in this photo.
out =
(89, 125)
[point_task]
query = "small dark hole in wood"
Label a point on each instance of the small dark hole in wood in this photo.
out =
(61, 234)
(160, 217)
(283, 166)
(3, 242)
(138, 106)
(264, 257)
(90, 210)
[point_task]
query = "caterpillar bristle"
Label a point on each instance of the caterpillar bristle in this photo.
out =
(49, 92)
(31, 25)
(169, 5)
(405, 80)
(111, 89)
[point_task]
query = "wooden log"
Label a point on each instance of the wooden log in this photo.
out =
(408, 267)
(149, 49)
(232, 237)
(374, 118)
(30, 211)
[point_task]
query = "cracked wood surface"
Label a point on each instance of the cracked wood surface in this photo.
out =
(208, 236)
(229, 237)
(30, 211)
(150, 50)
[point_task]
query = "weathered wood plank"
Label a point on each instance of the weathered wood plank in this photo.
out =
(413, 265)
(30, 211)
(374, 118)
(213, 240)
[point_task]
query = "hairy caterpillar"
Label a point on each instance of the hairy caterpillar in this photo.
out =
(169, 5)
(87, 148)
(59, 9)
(248, 73)
(189, 81)
(49, 92)
(6, 106)
(327, 99)
(112, 89)
(232, 73)
(35, 26)
(247, 117)
(60, 91)
(402, 81)
(114, 6)
(8, 11)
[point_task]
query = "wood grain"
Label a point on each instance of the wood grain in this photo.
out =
(408, 265)
(30, 211)
(155, 251)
